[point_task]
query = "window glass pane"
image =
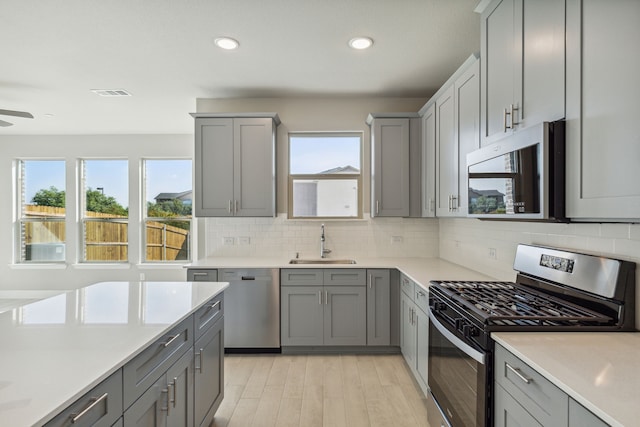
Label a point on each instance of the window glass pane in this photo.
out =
(313, 154)
(325, 198)
(168, 193)
(42, 210)
(105, 226)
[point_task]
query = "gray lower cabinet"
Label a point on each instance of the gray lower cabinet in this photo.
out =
(408, 330)
(100, 407)
(422, 346)
(414, 329)
(378, 307)
(323, 307)
(523, 397)
(209, 373)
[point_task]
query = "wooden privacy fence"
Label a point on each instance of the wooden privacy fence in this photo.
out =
(107, 240)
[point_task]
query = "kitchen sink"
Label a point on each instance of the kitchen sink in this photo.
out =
(322, 261)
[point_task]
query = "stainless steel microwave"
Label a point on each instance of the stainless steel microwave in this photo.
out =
(520, 177)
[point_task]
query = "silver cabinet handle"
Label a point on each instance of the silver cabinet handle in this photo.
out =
(171, 339)
(419, 294)
(370, 280)
(199, 354)
(431, 205)
(93, 402)
(519, 374)
(200, 274)
(235, 206)
(173, 387)
(505, 120)
(320, 297)
(454, 203)
(229, 206)
(166, 408)
(514, 123)
(326, 297)
(214, 305)
(377, 207)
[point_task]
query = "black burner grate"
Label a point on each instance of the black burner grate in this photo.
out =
(510, 304)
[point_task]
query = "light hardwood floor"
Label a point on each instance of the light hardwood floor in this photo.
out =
(308, 391)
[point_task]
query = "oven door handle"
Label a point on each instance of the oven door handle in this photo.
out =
(466, 348)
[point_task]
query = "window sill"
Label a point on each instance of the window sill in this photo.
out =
(101, 266)
(38, 266)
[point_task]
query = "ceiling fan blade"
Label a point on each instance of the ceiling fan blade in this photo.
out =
(5, 124)
(16, 113)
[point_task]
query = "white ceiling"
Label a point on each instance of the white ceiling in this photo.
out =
(162, 51)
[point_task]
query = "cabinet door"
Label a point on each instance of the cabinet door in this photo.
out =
(500, 51)
(213, 161)
(202, 275)
(429, 162)
(467, 118)
(509, 413)
(302, 310)
(422, 346)
(378, 307)
(209, 374)
(447, 154)
(180, 392)
(254, 167)
(390, 167)
(150, 410)
(407, 331)
(603, 145)
(345, 315)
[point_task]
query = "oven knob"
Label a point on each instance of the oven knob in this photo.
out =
(460, 322)
(470, 331)
(439, 306)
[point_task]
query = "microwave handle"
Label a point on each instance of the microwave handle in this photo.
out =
(461, 345)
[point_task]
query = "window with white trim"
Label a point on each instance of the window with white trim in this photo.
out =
(167, 209)
(104, 210)
(325, 179)
(41, 211)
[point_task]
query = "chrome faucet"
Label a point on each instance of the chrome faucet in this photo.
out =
(323, 251)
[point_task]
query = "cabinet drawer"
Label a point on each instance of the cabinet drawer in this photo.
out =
(141, 372)
(207, 315)
(407, 286)
(421, 298)
(202, 275)
(546, 402)
(345, 276)
(102, 406)
(301, 277)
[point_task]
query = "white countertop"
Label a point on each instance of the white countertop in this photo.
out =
(420, 270)
(56, 349)
(600, 370)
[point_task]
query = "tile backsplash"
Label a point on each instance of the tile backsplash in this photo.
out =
(281, 237)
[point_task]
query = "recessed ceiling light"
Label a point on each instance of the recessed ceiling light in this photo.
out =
(361, 43)
(226, 43)
(111, 92)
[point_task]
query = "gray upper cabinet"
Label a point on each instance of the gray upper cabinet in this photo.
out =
(456, 134)
(395, 165)
(429, 161)
(523, 57)
(235, 165)
(603, 145)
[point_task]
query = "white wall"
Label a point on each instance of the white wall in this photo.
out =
(71, 148)
(467, 242)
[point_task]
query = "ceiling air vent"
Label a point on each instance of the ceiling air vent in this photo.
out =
(111, 92)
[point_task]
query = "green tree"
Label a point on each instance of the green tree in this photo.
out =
(170, 209)
(49, 197)
(98, 202)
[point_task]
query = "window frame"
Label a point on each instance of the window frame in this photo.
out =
(144, 215)
(21, 220)
(291, 178)
(83, 219)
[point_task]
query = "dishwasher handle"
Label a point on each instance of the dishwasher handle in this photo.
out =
(248, 278)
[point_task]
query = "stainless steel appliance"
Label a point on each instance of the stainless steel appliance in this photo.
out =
(555, 290)
(521, 176)
(252, 310)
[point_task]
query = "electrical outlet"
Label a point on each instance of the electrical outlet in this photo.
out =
(457, 243)
(141, 276)
(396, 239)
(244, 240)
(493, 253)
(229, 240)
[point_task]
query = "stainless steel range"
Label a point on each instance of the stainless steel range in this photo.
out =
(555, 290)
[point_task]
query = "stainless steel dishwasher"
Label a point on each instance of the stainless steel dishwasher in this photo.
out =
(252, 309)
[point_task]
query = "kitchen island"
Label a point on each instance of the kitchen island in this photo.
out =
(57, 349)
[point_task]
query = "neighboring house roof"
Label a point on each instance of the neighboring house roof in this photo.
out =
(341, 169)
(185, 195)
(485, 193)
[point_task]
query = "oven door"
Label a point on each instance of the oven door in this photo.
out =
(458, 378)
